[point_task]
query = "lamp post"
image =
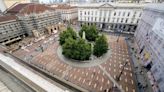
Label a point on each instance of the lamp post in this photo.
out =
(118, 77)
(119, 31)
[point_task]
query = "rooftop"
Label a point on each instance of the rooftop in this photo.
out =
(109, 4)
(64, 6)
(7, 18)
(28, 8)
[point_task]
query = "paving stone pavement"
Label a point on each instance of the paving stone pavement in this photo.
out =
(91, 78)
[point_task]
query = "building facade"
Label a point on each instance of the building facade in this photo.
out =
(150, 39)
(10, 29)
(23, 19)
(68, 13)
(111, 16)
(39, 22)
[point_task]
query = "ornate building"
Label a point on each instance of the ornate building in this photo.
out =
(150, 39)
(68, 13)
(23, 19)
(111, 16)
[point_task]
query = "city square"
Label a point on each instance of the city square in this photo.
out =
(82, 45)
(91, 78)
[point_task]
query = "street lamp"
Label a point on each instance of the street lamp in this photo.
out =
(119, 31)
(118, 77)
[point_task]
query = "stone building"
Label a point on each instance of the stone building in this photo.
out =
(36, 17)
(68, 13)
(150, 39)
(111, 16)
(24, 19)
(10, 29)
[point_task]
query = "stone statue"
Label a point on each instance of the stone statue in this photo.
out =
(83, 36)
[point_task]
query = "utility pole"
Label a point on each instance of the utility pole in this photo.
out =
(118, 77)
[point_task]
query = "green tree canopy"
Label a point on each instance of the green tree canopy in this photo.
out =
(77, 49)
(66, 34)
(101, 46)
(84, 28)
(90, 31)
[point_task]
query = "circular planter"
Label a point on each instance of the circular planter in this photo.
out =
(86, 63)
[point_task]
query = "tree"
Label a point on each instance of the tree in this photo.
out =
(76, 49)
(66, 34)
(101, 46)
(91, 32)
(84, 28)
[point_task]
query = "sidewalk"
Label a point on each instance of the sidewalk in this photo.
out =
(140, 72)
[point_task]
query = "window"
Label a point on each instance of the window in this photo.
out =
(104, 19)
(126, 20)
(140, 15)
(114, 13)
(117, 19)
(121, 20)
(123, 13)
(119, 13)
(95, 18)
(137, 21)
(88, 12)
(80, 12)
(108, 19)
(85, 13)
(128, 14)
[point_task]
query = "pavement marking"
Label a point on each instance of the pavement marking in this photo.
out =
(79, 79)
(108, 82)
(97, 78)
(126, 80)
(114, 70)
(74, 77)
(109, 69)
(132, 81)
(125, 73)
(101, 88)
(89, 83)
(126, 89)
(99, 72)
(95, 85)
(83, 81)
(86, 74)
(71, 75)
(102, 79)
(131, 74)
(92, 76)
